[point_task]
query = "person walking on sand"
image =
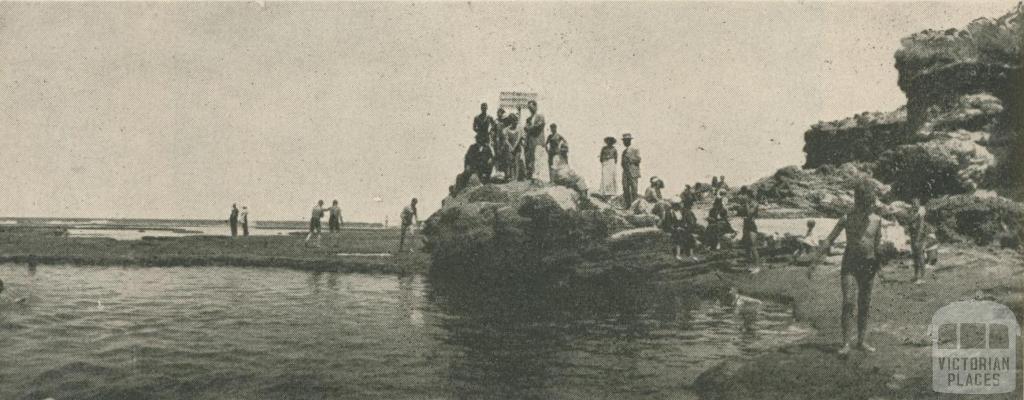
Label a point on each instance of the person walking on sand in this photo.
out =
(314, 221)
(334, 218)
(233, 220)
(243, 218)
(609, 158)
(917, 229)
(409, 217)
(630, 171)
(861, 261)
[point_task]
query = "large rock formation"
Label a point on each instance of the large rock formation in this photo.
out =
(515, 225)
(964, 115)
(859, 138)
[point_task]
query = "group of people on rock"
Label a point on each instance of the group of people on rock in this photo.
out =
(512, 148)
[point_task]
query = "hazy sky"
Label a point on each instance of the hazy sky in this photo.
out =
(171, 110)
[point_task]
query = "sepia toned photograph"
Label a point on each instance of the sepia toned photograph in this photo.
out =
(511, 200)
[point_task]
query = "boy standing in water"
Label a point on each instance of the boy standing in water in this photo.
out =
(860, 263)
(334, 218)
(314, 221)
(409, 216)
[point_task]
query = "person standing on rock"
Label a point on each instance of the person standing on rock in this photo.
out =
(479, 160)
(534, 138)
(233, 220)
(513, 149)
(554, 144)
(502, 156)
(483, 124)
(861, 261)
(609, 158)
(630, 170)
(409, 217)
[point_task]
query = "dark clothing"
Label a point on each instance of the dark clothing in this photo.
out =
(534, 137)
(718, 211)
(233, 220)
(479, 160)
(682, 227)
(554, 142)
(334, 224)
(609, 153)
(751, 237)
(314, 225)
(482, 125)
(245, 229)
(630, 186)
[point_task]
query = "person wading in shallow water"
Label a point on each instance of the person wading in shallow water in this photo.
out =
(334, 218)
(409, 217)
(243, 218)
(861, 261)
(314, 222)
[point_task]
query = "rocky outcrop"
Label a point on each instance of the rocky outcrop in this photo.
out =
(515, 225)
(964, 114)
(822, 191)
(859, 138)
(964, 93)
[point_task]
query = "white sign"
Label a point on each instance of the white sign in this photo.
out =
(510, 101)
(974, 348)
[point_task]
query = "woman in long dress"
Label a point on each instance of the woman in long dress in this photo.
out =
(609, 160)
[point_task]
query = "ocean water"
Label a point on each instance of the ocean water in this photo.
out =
(243, 333)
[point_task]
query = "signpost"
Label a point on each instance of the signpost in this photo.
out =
(514, 100)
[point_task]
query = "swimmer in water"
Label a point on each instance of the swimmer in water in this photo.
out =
(5, 300)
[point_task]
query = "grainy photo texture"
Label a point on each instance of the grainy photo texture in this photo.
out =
(505, 200)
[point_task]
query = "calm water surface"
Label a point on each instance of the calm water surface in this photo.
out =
(236, 333)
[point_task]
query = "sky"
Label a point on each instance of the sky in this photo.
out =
(178, 110)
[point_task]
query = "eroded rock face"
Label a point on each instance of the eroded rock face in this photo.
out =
(860, 138)
(517, 223)
(964, 108)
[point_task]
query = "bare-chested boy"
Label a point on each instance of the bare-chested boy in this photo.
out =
(860, 263)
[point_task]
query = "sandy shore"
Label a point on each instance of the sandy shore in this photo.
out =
(901, 312)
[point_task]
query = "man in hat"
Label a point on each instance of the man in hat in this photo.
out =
(630, 170)
(483, 123)
(534, 135)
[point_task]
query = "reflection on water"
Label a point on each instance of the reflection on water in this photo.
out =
(225, 332)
